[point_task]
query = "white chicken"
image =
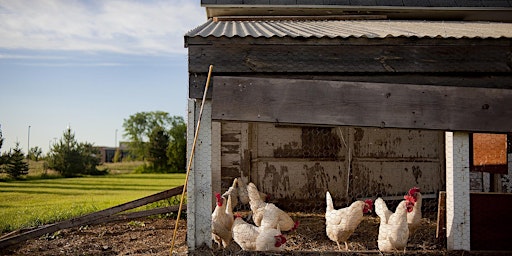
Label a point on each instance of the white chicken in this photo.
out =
(341, 223)
(414, 217)
(270, 239)
(243, 194)
(245, 234)
(276, 217)
(252, 238)
(393, 229)
(222, 221)
(233, 192)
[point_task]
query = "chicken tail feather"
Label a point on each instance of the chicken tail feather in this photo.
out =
(328, 199)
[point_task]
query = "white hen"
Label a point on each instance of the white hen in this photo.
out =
(393, 233)
(251, 238)
(275, 217)
(233, 192)
(341, 223)
(414, 216)
(222, 221)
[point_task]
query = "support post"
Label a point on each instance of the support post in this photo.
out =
(199, 187)
(457, 191)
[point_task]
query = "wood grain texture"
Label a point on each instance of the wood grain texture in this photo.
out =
(362, 104)
(405, 58)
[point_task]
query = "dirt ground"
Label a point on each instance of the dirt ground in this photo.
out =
(152, 236)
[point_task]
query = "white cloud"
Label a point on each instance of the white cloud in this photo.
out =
(120, 26)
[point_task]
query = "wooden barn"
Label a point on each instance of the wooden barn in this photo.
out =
(359, 98)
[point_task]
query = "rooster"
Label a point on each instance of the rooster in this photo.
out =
(393, 229)
(222, 221)
(341, 223)
(276, 217)
(414, 217)
(251, 238)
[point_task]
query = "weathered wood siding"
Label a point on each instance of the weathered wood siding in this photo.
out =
(296, 165)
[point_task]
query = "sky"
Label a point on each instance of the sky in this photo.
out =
(89, 65)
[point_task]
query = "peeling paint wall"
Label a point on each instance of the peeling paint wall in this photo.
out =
(296, 165)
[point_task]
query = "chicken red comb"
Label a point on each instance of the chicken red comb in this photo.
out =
(369, 202)
(410, 198)
(217, 195)
(413, 191)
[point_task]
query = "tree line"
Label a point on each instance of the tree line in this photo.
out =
(154, 137)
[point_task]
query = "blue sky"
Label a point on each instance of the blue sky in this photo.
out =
(90, 65)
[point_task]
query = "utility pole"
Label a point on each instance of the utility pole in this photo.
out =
(28, 142)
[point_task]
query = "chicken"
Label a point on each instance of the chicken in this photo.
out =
(243, 194)
(222, 221)
(341, 223)
(233, 192)
(245, 234)
(276, 217)
(414, 217)
(393, 229)
(251, 238)
(270, 239)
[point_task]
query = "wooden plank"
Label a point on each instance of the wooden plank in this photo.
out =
(362, 104)
(299, 18)
(441, 217)
(139, 214)
(197, 80)
(477, 57)
(82, 220)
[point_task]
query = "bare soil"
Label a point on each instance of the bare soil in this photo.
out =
(152, 236)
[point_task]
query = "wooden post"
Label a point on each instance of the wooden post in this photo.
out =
(199, 187)
(457, 191)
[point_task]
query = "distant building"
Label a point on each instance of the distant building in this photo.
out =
(108, 153)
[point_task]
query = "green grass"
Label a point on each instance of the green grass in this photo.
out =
(34, 202)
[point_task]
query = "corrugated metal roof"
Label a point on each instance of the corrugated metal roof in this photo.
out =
(352, 28)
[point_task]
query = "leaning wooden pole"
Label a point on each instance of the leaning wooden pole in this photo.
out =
(191, 157)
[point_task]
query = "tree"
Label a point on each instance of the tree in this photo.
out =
(117, 156)
(16, 165)
(138, 128)
(177, 150)
(35, 153)
(1, 155)
(70, 158)
(158, 142)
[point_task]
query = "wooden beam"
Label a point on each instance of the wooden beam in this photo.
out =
(89, 218)
(478, 56)
(499, 81)
(299, 18)
(362, 104)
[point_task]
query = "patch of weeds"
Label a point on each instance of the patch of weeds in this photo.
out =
(136, 223)
(52, 236)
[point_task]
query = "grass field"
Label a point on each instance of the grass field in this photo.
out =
(33, 202)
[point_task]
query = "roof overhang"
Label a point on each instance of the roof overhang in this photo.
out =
(392, 12)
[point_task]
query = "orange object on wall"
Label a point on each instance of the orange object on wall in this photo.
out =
(489, 153)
